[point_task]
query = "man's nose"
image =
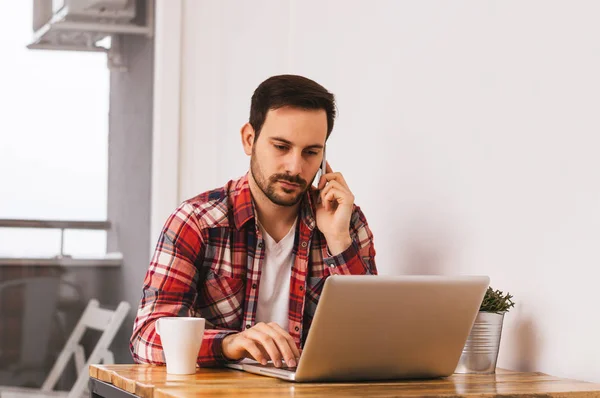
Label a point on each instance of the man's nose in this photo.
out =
(294, 164)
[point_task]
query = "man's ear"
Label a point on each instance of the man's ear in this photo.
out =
(248, 135)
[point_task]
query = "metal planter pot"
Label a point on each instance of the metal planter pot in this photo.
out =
(481, 349)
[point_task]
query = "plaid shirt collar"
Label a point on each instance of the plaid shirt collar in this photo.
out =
(243, 204)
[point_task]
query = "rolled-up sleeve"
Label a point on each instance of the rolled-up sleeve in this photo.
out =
(359, 257)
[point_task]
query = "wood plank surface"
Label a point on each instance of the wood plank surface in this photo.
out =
(150, 381)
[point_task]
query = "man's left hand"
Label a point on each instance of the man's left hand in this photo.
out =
(335, 210)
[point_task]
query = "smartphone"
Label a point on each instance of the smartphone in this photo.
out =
(321, 170)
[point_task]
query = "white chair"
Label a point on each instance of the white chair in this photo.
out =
(93, 317)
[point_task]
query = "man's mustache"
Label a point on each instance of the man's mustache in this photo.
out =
(286, 177)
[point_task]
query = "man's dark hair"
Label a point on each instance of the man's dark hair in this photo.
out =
(290, 90)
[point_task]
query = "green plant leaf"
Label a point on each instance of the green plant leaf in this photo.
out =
(496, 301)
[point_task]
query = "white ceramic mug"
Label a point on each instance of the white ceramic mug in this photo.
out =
(181, 339)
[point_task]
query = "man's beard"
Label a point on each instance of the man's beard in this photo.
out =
(268, 185)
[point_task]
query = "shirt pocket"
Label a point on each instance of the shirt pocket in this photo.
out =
(221, 300)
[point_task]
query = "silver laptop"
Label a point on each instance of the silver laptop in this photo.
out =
(385, 328)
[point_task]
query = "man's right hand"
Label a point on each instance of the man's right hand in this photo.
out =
(263, 342)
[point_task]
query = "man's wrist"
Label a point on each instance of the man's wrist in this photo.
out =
(224, 344)
(338, 245)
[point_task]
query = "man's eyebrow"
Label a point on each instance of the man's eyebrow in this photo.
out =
(283, 140)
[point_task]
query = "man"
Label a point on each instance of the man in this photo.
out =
(252, 257)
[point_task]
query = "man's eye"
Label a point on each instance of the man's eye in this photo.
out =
(312, 153)
(281, 147)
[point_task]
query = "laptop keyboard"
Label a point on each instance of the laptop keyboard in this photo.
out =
(283, 366)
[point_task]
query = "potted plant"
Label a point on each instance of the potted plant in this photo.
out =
(481, 349)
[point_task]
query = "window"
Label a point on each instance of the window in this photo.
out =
(53, 140)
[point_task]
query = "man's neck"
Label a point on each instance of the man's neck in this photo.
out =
(275, 219)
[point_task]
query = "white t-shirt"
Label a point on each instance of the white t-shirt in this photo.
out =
(274, 288)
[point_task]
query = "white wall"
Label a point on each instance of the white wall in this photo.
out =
(467, 131)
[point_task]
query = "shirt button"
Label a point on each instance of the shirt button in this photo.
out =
(254, 286)
(260, 244)
(304, 244)
(297, 329)
(332, 264)
(301, 287)
(248, 326)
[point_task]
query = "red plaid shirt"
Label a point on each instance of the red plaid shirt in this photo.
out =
(208, 264)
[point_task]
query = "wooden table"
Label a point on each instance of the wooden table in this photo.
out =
(121, 381)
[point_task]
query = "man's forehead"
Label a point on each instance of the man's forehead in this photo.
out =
(298, 126)
(297, 115)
